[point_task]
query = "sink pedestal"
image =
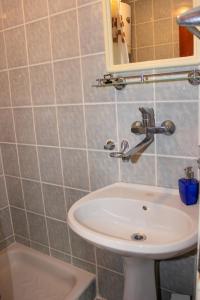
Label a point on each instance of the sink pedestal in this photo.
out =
(139, 279)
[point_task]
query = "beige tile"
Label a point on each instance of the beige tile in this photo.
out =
(133, 37)
(35, 9)
(24, 125)
(179, 113)
(2, 52)
(133, 172)
(71, 126)
(38, 42)
(145, 54)
(33, 196)
(176, 50)
(143, 11)
(91, 24)
(101, 123)
(178, 5)
(144, 34)
(46, 126)
(42, 84)
(164, 51)
(50, 165)
(94, 67)
(19, 83)
(162, 9)
(4, 90)
(163, 31)
(37, 228)
(75, 168)
(10, 161)
(15, 43)
(1, 16)
(82, 2)
(133, 56)
(64, 35)
(59, 5)
(133, 18)
(28, 162)
(175, 30)
(13, 12)
(68, 81)
(6, 126)
(14, 189)
(103, 170)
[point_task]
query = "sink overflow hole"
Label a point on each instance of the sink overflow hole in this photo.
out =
(138, 237)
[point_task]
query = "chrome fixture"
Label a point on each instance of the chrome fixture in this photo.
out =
(124, 147)
(191, 19)
(146, 126)
(120, 82)
(110, 145)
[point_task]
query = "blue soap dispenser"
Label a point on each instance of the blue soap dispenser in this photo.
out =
(189, 187)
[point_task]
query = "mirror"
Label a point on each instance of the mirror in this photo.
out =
(142, 34)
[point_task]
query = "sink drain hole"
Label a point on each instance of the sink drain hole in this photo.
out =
(138, 237)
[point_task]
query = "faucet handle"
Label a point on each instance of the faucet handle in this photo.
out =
(110, 145)
(147, 116)
(147, 110)
(124, 146)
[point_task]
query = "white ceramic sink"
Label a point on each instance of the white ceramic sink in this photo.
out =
(112, 216)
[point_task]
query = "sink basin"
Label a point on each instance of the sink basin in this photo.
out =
(116, 217)
(142, 223)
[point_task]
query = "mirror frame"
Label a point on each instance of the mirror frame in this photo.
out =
(155, 64)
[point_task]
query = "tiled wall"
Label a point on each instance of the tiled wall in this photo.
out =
(155, 33)
(6, 227)
(53, 126)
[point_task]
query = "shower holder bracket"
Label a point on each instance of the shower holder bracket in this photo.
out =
(120, 82)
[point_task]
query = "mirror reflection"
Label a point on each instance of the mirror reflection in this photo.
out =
(146, 30)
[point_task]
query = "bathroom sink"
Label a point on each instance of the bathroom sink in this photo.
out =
(136, 220)
(141, 223)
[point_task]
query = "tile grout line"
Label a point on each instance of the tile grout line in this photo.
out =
(47, 183)
(1, 157)
(67, 254)
(50, 15)
(156, 154)
(45, 62)
(7, 198)
(38, 214)
(15, 135)
(58, 130)
(154, 48)
(85, 130)
(117, 131)
(173, 156)
(83, 96)
(34, 128)
(99, 103)
(7, 238)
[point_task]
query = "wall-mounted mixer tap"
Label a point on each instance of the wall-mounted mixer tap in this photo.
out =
(146, 126)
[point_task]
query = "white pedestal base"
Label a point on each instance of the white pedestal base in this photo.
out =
(139, 279)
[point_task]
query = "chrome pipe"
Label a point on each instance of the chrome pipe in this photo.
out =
(190, 19)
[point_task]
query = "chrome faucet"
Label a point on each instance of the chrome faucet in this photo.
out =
(146, 126)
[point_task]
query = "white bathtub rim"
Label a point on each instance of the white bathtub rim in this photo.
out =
(83, 278)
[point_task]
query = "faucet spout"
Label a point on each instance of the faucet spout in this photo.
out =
(139, 147)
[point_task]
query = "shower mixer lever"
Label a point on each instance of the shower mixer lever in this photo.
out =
(148, 127)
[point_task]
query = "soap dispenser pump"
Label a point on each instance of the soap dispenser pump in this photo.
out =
(189, 187)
